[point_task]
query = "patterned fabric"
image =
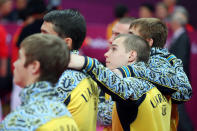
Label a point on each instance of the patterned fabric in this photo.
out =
(118, 87)
(39, 106)
(68, 81)
(80, 94)
(165, 71)
(105, 111)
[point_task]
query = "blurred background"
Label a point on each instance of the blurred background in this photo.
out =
(100, 15)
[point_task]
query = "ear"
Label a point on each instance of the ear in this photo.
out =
(150, 42)
(68, 41)
(132, 56)
(35, 67)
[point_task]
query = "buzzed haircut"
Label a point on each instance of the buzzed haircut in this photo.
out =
(136, 43)
(68, 23)
(51, 51)
(151, 28)
(126, 20)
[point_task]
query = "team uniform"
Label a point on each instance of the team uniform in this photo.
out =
(152, 112)
(164, 78)
(132, 99)
(161, 61)
(40, 111)
(80, 94)
(165, 71)
(105, 107)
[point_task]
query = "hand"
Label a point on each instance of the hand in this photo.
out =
(76, 62)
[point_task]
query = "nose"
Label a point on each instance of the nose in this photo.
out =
(106, 54)
(111, 39)
(14, 64)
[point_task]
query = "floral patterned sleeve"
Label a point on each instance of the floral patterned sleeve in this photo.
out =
(104, 115)
(166, 72)
(119, 88)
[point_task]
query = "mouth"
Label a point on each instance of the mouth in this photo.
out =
(107, 62)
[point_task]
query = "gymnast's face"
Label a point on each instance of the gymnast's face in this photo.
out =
(117, 56)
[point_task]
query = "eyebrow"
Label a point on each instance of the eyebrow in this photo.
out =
(113, 45)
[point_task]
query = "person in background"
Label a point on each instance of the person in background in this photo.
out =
(180, 46)
(5, 10)
(146, 10)
(172, 6)
(42, 59)
(18, 14)
(121, 27)
(120, 11)
(54, 5)
(36, 9)
(161, 12)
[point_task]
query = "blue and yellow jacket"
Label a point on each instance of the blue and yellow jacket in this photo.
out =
(79, 93)
(133, 97)
(165, 71)
(40, 111)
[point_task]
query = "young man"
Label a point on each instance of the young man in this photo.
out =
(105, 104)
(121, 27)
(125, 50)
(162, 66)
(75, 89)
(42, 59)
(163, 69)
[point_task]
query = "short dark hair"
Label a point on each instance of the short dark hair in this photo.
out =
(68, 23)
(52, 53)
(151, 28)
(136, 43)
(120, 11)
(148, 6)
(35, 7)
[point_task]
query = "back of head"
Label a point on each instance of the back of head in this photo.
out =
(151, 28)
(51, 52)
(68, 23)
(136, 43)
(35, 7)
(120, 11)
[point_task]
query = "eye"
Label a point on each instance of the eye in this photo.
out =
(113, 48)
(130, 32)
(43, 31)
(115, 33)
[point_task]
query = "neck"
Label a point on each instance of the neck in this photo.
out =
(32, 80)
(175, 28)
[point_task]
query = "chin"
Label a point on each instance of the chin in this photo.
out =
(19, 83)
